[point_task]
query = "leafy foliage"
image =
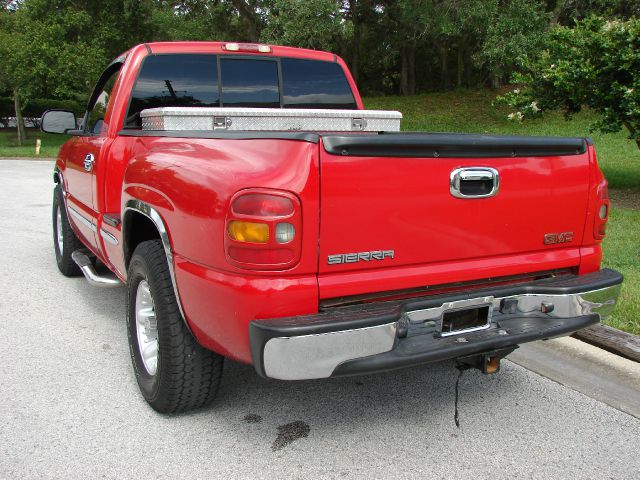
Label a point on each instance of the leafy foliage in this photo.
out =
(510, 30)
(55, 48)
(313, 24)
(595, 64)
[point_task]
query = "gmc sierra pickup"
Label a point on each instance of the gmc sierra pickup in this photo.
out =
(255, 211)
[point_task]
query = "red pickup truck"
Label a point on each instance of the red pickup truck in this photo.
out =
(254, 211)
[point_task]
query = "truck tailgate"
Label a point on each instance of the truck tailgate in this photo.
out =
(387, 202)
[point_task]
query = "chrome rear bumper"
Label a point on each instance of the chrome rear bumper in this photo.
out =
(382, 336)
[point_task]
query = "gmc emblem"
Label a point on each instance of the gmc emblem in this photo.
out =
(553, 238)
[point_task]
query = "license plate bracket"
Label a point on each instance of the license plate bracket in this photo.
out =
(465, 316)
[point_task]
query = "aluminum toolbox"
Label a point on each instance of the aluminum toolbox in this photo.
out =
(269, 119)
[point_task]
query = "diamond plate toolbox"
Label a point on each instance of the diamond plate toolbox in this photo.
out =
(269, 119)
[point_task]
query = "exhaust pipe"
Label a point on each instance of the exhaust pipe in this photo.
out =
(86, 266)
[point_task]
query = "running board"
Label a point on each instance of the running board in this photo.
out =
(81, 257)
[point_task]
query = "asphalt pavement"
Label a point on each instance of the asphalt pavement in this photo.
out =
(70, 407)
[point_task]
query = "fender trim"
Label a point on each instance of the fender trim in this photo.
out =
(148, 211)
(58, 180)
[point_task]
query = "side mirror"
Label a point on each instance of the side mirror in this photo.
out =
(58, 121)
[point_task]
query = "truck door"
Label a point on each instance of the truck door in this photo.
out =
(87, 153)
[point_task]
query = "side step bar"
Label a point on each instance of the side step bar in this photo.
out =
(81, 257)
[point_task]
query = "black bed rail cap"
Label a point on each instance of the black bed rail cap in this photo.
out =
(451, 145)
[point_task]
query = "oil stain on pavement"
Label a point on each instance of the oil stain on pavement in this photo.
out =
(289, 433)
(252, 418)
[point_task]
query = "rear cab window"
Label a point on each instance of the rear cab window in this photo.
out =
(249, 83)
(207, 80)
(314, 84)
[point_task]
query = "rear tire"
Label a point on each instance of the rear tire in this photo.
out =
(173, 371)
(65, 241)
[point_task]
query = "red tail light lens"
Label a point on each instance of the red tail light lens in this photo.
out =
(602, 211)
(262, 205)
(263, 230)
(276, 256)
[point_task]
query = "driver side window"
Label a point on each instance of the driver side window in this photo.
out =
(94, 118)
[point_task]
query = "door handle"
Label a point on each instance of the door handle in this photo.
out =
(474, 182)
(88, 162)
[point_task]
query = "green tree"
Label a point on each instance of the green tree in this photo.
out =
(596, 64)
(474, 35)
(53, 49)
(509, 30)
(10, 78)
(250, 16)
(407, 23)
(195, 20)
(316, 24)
(566, 12)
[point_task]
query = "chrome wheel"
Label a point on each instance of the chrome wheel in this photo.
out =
(146, 328)
(59, 232)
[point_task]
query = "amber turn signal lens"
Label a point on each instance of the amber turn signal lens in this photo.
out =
(251, 232)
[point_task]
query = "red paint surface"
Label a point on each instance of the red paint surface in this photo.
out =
(220, 305)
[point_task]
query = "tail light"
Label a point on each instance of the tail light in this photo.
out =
(602, 211)
(263, 230)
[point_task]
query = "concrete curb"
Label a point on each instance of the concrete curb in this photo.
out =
(585, 368)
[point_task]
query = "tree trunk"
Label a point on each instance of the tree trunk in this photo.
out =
(411, 67)
(250, 19)
(460, 64)
(404, 72)
(495, 81)
(557, 11)
(632, 132)
(444, 67)
(355, 63)
(468, 66)
(355, 56)
(22, 134)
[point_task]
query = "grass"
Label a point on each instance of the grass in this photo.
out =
(622, 252)
(470, 111)
(49, 148)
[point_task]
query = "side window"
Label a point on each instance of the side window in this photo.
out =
(175, 80)
(249, 83)
(100, 100)
(315, 84)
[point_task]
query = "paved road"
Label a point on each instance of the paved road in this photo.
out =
(69, 405)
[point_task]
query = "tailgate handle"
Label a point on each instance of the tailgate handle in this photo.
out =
(474, 182)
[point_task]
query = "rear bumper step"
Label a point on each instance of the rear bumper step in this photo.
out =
(83, 260)
(387, 335)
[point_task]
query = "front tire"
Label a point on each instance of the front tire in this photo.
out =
(173, 371)
(65, 241)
